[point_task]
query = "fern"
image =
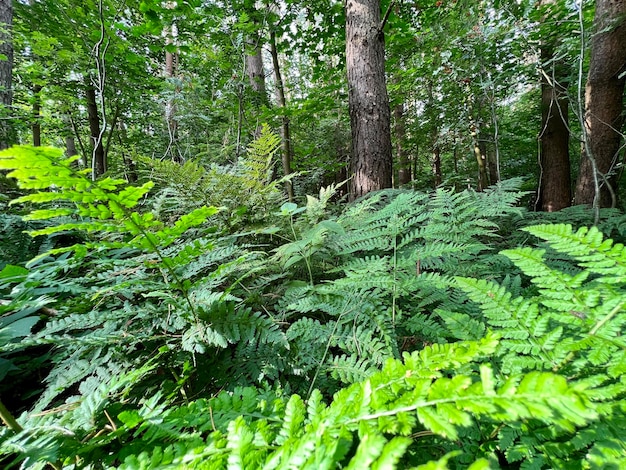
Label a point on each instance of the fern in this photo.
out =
(367, 425)
(381, 266)
(244, 189)
(572, 324)
(134, 283)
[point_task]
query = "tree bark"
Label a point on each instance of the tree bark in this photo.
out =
(256, 72)
(36, 124)
(6, 72)
(555, 191)
(371, 158)
(438, 177)
(130, 168)
(604, 113)
(481, 158)
(285, 133)
(98, 155)
(72, 136)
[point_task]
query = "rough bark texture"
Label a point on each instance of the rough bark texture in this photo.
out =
(6, 72)
(402, 157)
(256, 72)
(371, 159)
(604, 113)
(70, 146)
(98, 155)
(555, 192)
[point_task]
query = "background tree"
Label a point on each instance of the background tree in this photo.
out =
(604, 112)
(369, 104)
(555, 191)
(6, 72)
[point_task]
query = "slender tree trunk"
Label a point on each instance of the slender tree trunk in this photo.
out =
(437, 165)
(98, 156)
(604, 109)
(130, 169)
(170, 70)
(481, 158)
(399, 130)
(6, 73)
(371, 158)
(284, 131)
(36, 124)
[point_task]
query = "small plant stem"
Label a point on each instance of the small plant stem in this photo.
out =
(8, 419)
(606, 319)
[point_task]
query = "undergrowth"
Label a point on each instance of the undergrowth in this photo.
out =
(409, 330)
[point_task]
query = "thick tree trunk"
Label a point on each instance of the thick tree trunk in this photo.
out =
(256, 72)
(72, 137)
(98, 156)
(70, 146)
(402, 157)
(6, 73)
(604, 111)
(555, 191)
(285, 133)
(372, 162)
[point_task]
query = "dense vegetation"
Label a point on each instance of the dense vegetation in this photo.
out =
(312, 235)
(405, 330)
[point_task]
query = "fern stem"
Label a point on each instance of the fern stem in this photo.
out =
(8, 419)
(606, 319)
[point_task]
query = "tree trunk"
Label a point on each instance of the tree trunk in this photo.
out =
(98, 156)
(72, 136)
(6, 73)
(555, 185)
(36, 125)
(256, 72)
(404, 163)
(371, 158)
(437, 165)
(130, 168)
(481, 158)
(70, 146)
(555, 191)
(171, 65)
(604, 113)
(284, 131)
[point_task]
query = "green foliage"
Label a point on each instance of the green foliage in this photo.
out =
(376, 269)
(570, 321)
(367, 425)
(390, 335)
(134, 285)
(245, 189)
